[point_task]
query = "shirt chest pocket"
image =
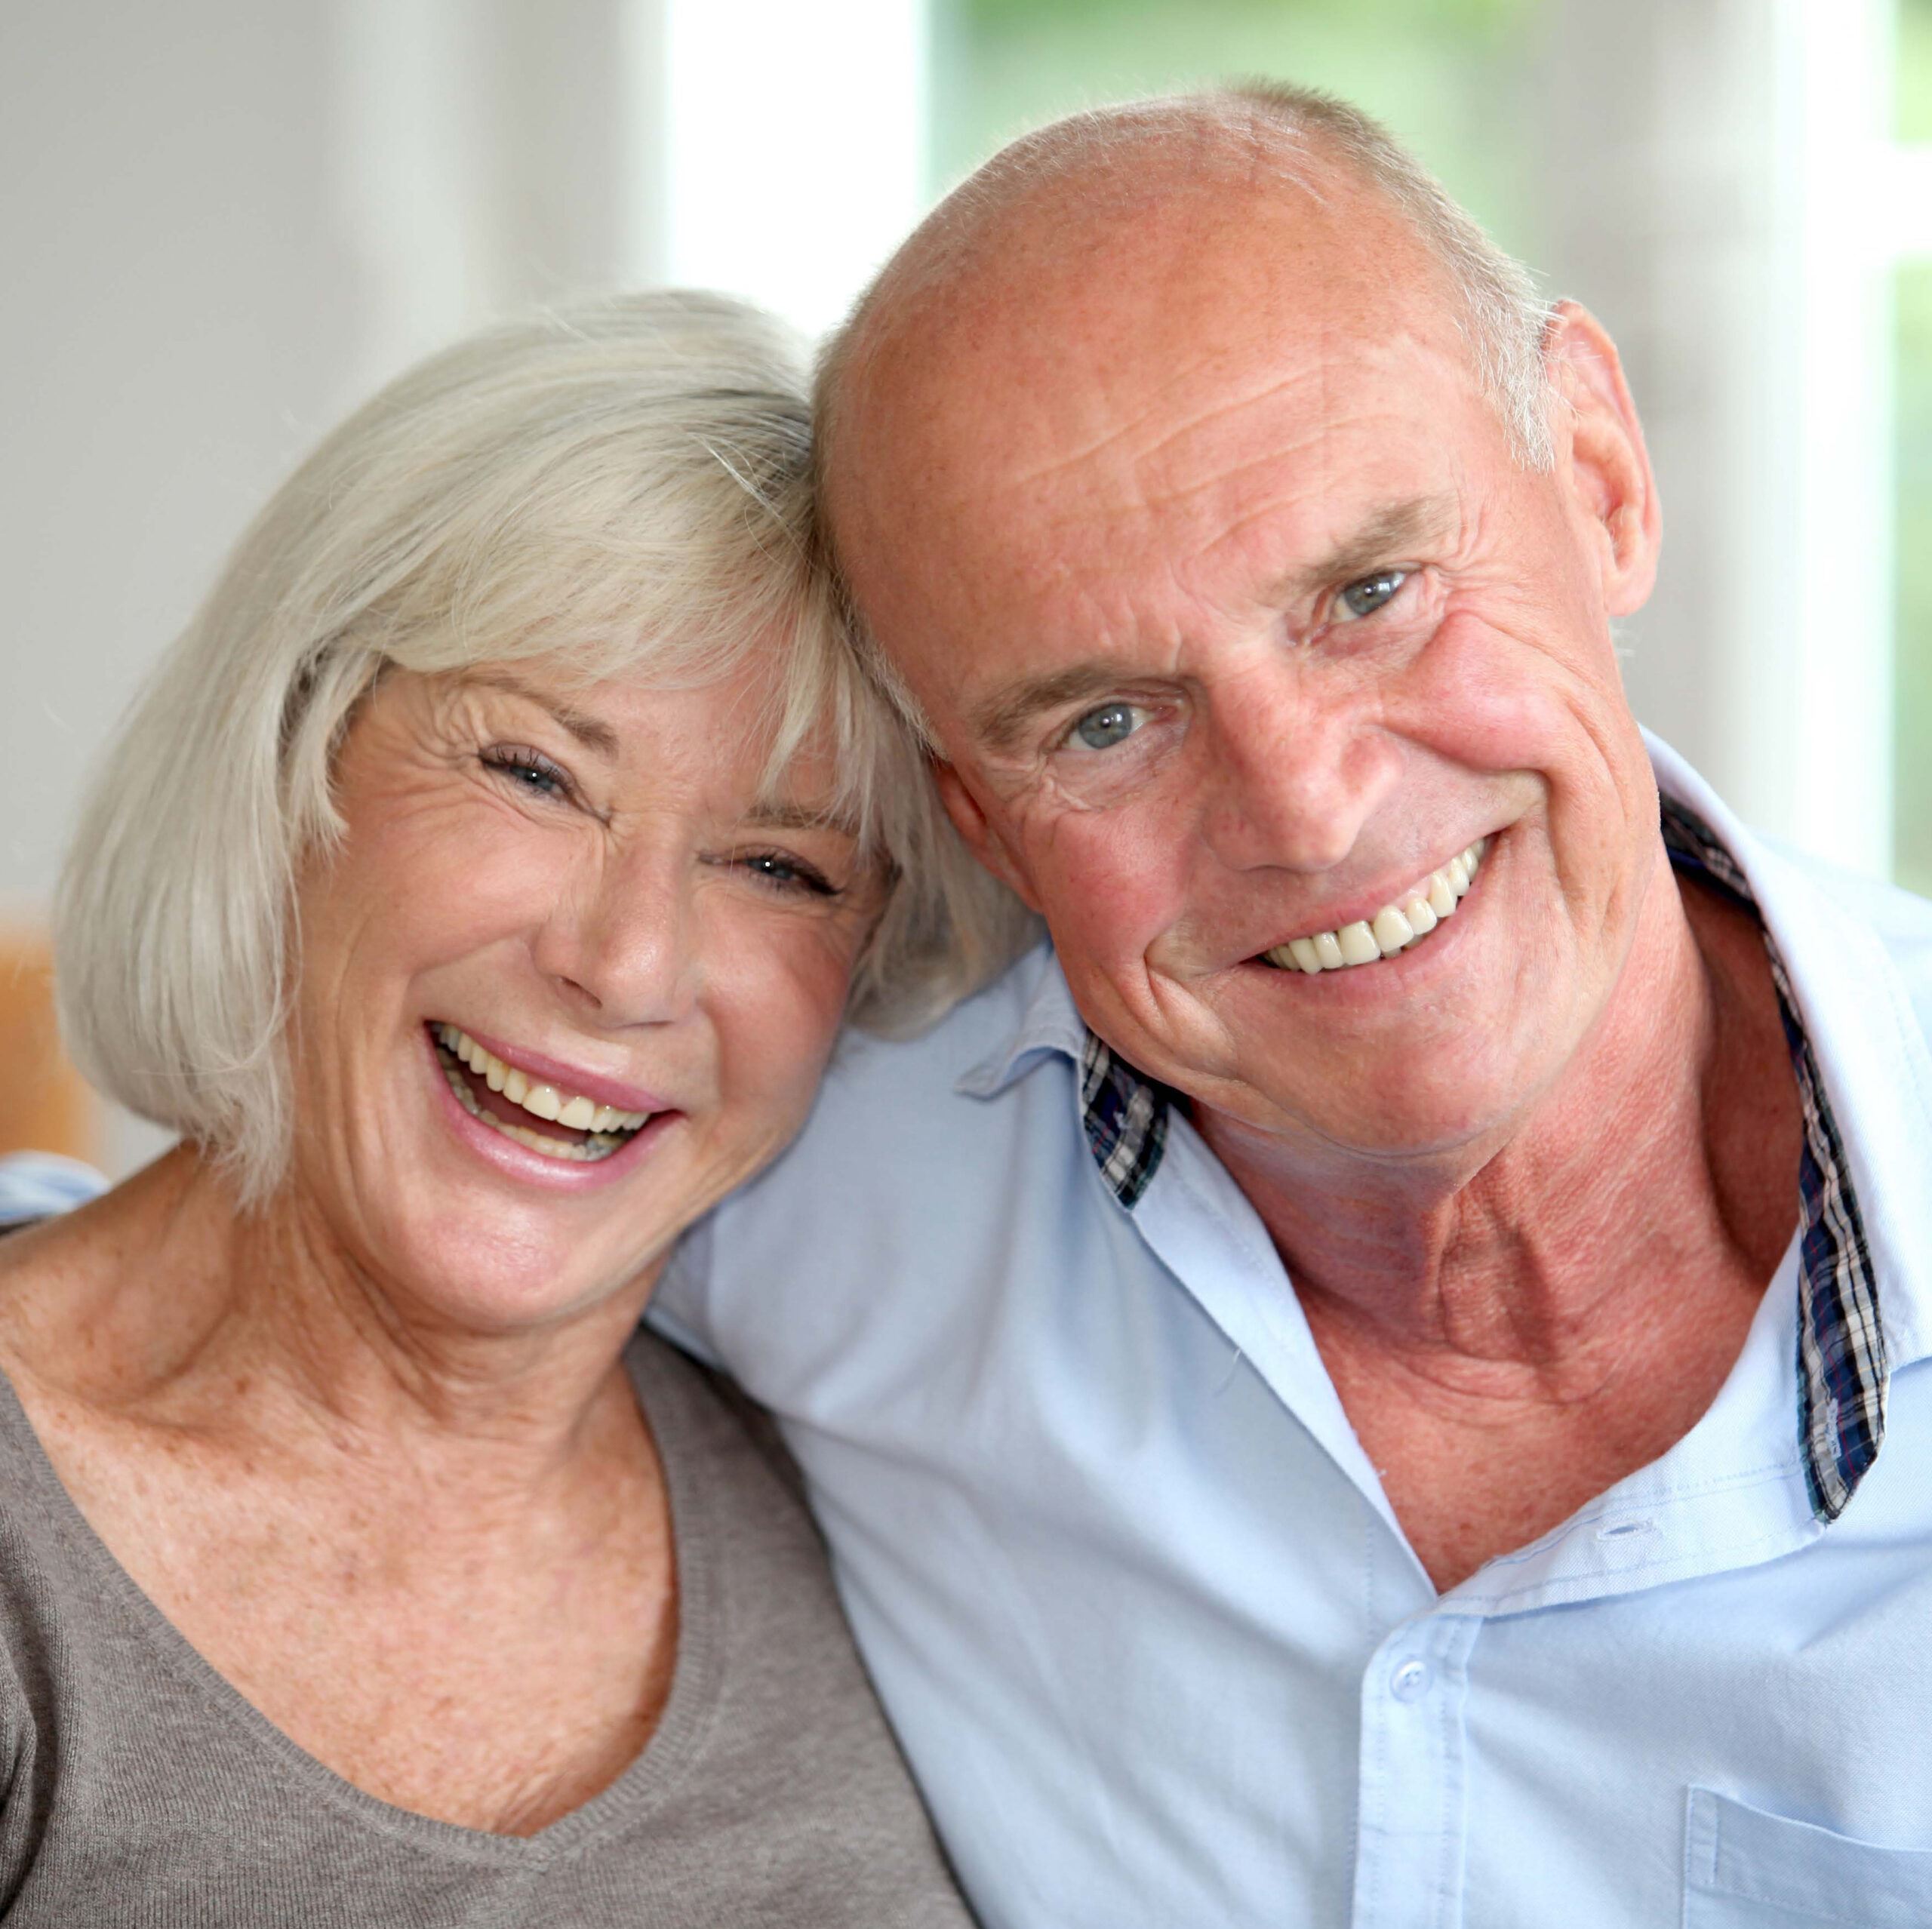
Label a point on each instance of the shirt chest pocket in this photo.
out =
(1745, 1869)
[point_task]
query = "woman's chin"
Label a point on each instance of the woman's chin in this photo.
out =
(499, 1273)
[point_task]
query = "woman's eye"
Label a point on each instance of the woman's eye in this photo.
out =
(528, 770)
(785, 872)
(1366, 597)
(1111, 724)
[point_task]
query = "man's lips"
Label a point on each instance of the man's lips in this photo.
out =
(1392, 925)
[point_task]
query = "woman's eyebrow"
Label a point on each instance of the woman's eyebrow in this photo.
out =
(587, 730)
(777, 816)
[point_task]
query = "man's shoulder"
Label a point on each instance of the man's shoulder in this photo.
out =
(963, 1049)
(897, 1117)
(906, 1185)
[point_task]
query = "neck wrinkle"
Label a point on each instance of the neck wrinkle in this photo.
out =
(1493, 1255)
(268, 1326)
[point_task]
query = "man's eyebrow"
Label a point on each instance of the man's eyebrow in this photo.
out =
(1000, 719)
(1381, 542)
(587, 730)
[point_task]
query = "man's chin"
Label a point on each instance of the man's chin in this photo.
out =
(1394, 1112)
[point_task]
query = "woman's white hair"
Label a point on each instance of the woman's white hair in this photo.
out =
(622, 484)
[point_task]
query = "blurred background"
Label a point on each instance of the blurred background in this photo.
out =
(224, 222)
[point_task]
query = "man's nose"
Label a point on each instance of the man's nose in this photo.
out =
(1295, 770)
(623, 942)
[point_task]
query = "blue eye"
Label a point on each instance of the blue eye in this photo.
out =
(528, 770)
(1366, 597)
(782, 872)
(1111, 724)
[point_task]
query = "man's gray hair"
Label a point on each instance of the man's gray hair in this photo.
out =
(1502, 316)
(623, 485)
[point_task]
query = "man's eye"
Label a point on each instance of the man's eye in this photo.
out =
(1366, 597)
(1111, 724)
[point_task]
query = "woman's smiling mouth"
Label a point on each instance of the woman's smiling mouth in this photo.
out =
(573, 1127)
(1402, 923)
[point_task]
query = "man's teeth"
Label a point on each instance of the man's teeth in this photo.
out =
(539, 1100)
(1394, 928)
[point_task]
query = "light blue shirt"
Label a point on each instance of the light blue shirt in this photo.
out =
(1151, 1637)
(37, 1185)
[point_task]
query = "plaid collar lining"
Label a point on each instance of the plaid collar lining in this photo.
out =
(1841, 1366)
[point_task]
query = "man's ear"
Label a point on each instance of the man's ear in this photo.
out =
(983, 839)
(1600, 454)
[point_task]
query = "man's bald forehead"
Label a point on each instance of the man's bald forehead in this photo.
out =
(1097, 168)
(1057, 199)
(1064, 191)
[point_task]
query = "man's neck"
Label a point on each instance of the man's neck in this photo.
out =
(1654, 1141)
(1571, 1294)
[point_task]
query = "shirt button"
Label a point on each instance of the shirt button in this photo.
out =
(1410, 1682)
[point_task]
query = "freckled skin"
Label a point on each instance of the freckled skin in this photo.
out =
(1529, 1183)
(372, 1450)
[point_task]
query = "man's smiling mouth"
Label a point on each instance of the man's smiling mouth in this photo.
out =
(515, 1104)
(1403, 922)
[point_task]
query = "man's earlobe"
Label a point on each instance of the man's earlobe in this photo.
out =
(1600, 452)
(983, 839)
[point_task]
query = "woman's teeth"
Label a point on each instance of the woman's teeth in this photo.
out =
(1394, 928)
(608, 1128)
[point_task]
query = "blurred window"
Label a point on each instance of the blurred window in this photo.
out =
(1912, 717)
(1457, 80)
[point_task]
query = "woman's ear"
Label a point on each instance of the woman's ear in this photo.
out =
(983, 839)
(1601, 459)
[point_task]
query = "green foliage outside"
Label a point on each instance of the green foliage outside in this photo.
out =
(1913, 96)
(1446, 75)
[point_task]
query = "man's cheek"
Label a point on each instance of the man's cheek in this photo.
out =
(1110, 898)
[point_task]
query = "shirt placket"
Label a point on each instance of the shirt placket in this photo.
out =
(1412, 1825)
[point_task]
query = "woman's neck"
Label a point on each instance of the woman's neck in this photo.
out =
(162, 1299)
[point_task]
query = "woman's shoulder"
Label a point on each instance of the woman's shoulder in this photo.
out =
(782, 1759)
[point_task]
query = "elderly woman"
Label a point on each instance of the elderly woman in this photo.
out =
(478, 889)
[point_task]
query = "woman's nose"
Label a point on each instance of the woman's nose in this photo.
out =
(625, 942)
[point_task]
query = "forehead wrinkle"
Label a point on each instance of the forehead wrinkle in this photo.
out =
(1192, 424)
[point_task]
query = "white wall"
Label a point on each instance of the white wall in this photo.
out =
(224, 222)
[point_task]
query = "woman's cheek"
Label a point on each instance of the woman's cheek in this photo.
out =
(780, 1004)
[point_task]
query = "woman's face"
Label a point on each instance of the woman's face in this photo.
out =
(568, 979)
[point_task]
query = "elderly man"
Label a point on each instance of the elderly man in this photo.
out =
(1354, 1388)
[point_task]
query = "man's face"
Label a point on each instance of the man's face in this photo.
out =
(1237, 621)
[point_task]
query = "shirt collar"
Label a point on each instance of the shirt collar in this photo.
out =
(1843, 1356)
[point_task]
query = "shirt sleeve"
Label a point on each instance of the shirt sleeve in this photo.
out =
(37, 1185)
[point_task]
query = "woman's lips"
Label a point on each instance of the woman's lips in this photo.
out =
(520, 1152)
(570, 1080)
